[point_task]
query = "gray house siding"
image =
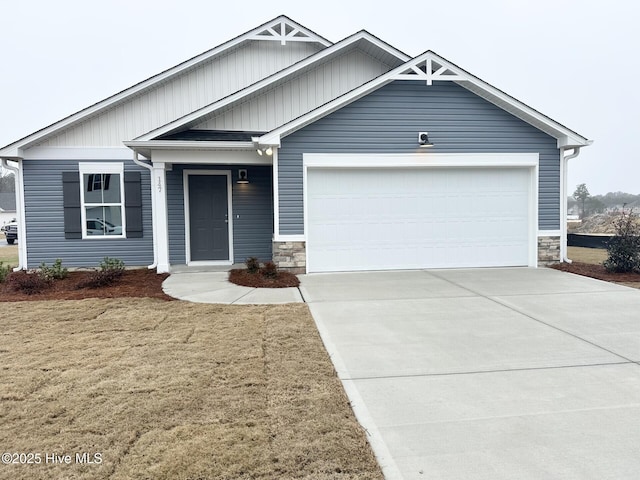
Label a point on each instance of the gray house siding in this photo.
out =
(388, 121)
(252, 212)
(45, 221)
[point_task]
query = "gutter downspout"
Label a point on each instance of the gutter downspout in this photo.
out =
(563, 201)
(140, 163)
(22, 228)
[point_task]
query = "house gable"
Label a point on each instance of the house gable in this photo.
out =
(182, 94)
(369, 57)
(430, 67)
(181, 89)
(288, 100)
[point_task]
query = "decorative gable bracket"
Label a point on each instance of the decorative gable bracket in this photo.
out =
(428, 70)
(284, 32)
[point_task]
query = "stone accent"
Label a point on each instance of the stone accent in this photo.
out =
(290, 256)
(548, 251)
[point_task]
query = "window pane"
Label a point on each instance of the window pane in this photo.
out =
(103, 221)
(102, 188)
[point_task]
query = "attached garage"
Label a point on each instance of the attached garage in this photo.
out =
(384, 212)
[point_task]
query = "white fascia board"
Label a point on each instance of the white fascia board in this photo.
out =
(135, 89)
(266, 82)
(461, 76)
(289, 238)
(77, 153)
(145, 148)
(427, 159)
(209, 157)
(549, 233)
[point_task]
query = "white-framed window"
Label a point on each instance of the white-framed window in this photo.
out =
(102, 200)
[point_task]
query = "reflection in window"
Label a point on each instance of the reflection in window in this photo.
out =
(102, 204)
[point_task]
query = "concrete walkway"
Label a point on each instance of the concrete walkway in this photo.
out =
(487, 374)
(213, 287)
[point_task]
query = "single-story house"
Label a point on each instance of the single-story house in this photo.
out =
(321, 156)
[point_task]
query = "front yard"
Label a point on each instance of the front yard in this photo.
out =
(173, 390)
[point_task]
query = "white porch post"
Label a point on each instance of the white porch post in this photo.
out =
(159, 189)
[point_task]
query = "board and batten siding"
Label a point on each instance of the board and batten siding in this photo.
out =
(45, 220)
(299, 95)
(252, 212)
(388, 121)
(184, 93)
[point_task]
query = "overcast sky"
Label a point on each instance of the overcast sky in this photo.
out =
(575, 61)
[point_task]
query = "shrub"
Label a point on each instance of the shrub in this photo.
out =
(624, 248)
(5, 270)
(110, 271)
(253, 265)
(270, 270)
(55, 271)
(28, 282)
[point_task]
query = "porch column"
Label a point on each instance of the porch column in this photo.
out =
(159, 189)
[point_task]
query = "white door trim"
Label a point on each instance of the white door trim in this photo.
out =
(187, 233)
(528, 161)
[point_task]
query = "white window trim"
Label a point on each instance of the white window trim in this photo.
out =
(88, 168)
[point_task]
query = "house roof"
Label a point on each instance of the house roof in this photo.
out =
(431, 67)
(281, 28)
(428, 67)
(211, 136)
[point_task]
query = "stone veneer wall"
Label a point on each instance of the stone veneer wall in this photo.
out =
(290, 256)
(548, 250)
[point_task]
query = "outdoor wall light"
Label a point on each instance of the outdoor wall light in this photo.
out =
(423, 139)
(242, 176)
(262, 151)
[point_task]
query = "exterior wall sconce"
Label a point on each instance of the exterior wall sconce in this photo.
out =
(268, 151)
(242, 176)
(423, 140)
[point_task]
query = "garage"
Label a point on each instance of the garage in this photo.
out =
(432, 216)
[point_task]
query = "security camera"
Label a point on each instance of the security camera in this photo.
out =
(423, 140)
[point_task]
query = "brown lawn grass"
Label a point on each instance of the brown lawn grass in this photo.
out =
(174, 390)
(587, 255)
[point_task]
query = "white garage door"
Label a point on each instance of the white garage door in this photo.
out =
(382, 219)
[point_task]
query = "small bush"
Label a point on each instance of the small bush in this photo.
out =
(253, 265)
(28, 282)
(5, 270)
(624, 248)
(55, 271)
(270, 270)
(111, 269)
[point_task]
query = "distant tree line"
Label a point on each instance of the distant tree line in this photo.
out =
(591, 204)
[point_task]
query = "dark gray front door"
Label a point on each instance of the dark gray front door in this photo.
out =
(208, 221)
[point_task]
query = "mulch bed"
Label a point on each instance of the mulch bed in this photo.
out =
(597, 271)
(246, 279)
(134, 283)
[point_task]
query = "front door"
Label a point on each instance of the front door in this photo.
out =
(208, 217)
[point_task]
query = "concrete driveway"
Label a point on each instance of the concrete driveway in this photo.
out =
(487, 373)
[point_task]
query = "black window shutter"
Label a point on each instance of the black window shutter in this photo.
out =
(133, 204)
(71, 204)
